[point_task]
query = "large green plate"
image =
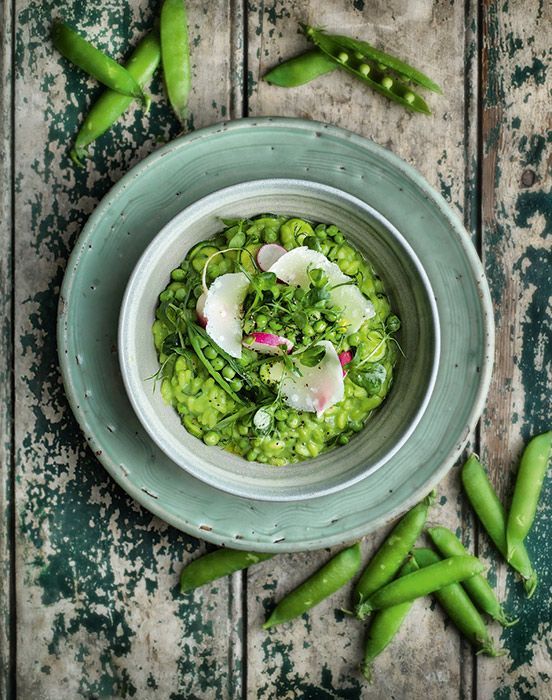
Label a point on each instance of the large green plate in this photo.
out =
(153, 193)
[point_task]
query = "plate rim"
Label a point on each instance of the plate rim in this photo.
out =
(425, 189)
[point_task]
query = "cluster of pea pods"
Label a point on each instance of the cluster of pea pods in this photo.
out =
(400, 572)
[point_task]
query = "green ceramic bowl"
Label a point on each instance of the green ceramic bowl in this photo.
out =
(158, 189)
(411, 298)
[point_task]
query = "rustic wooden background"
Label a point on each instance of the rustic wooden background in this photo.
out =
(88, 596)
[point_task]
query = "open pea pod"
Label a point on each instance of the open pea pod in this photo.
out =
(370, 53)
(376, 76)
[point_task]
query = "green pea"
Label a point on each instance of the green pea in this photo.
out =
(409, 97)
(319, 327)
(228, 372)
(353, 339)
(308, 330)
(251, 456)
(236, 384)
(455, 601)
(217, 363)
(210, 352)
(364, 69)
(343, 439)
(180, 294)
(387, 82)
(167, 295)
(390, 556)
(339, 238)
(293, 421)
(261, 321)
(211, 438)
(178, 275)
(329, 579)
(275, 325)
(217, 564)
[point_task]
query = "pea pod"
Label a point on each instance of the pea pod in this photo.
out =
(175, 54)
(97, 64)
(388, 559)
(219, 379)
(378, 78)
(330, 578)
(221, 562)
(492, 515)
(384, 626)
(366, 52)
(300, 69)
(529, 481)
(420, 583)
(478, 587)
(456, 603)
(111, 105)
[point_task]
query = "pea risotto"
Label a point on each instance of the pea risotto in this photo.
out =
(275, 339)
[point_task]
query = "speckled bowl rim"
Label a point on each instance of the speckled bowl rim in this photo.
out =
(426, 191)
(134, 385)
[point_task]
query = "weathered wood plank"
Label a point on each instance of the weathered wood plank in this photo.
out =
(318, 656)
(7, 657)
(98, 610)
(517, 229)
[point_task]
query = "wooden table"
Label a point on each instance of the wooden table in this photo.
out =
(88, 599)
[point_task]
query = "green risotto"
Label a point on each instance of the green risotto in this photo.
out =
(275, 339)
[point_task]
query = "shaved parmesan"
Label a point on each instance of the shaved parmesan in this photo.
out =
(293, 268)
(223, 310)
(319, 387)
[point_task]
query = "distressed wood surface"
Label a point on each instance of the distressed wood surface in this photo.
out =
(96, 605)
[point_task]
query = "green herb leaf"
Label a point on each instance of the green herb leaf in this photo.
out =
(371, 377)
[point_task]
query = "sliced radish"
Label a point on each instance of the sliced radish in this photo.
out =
(268, 254)
(200, 310)
(293, 268)
(267, 343)
(344, 358)
(318, 388)
(223, 310)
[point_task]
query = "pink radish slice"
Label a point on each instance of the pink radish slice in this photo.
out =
(344, 358)
(200, 310)
(267, 343)
(268, 254)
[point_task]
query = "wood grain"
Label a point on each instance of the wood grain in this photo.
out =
(516, 238)
(7, 650)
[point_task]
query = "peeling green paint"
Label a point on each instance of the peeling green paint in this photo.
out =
(536, 71)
